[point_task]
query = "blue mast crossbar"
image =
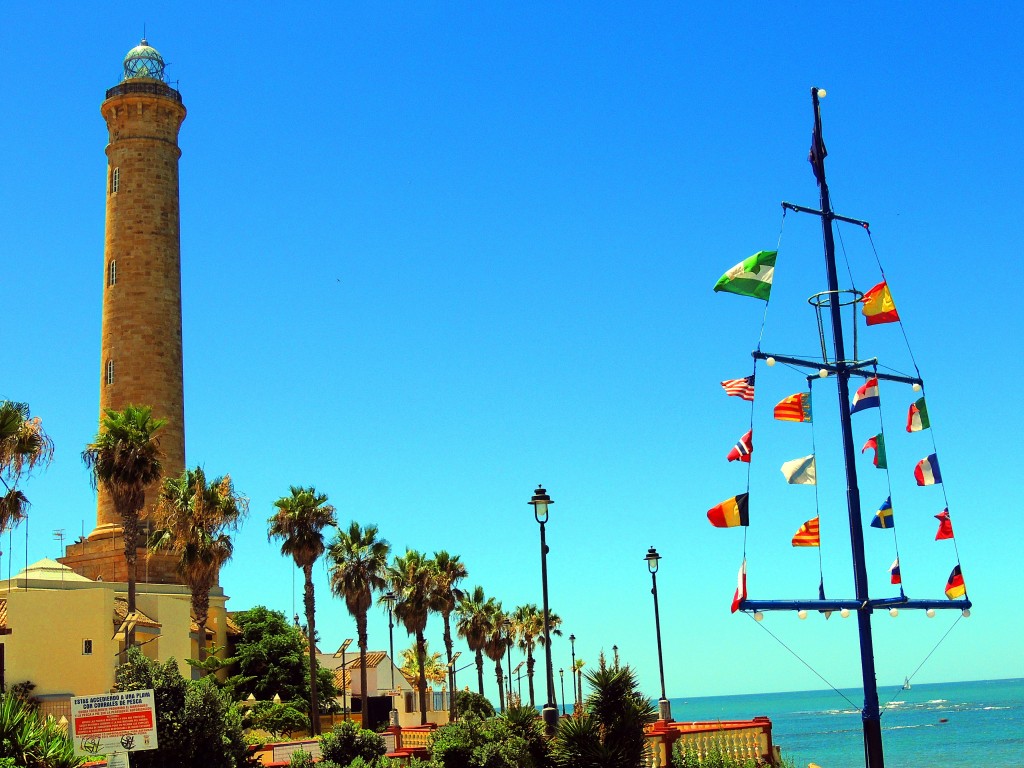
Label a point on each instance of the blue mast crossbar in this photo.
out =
(853, 368)
(853, 605)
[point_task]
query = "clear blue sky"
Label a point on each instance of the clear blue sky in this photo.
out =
(434, 254)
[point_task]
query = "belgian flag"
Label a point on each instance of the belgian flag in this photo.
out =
(730, 513)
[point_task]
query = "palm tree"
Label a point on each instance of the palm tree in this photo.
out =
(192, 520)
(609, 732)
(23, 446)
(498, 640)
(449, 571)
(124, 458)
(554, 624)
(434, 669)
(529, 623)
(578, 669)
(411, 579)
(359, 561)
(472, 624)
(299, 523)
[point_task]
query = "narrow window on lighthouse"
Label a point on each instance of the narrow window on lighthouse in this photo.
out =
(110, 372)
(115, 179)
(112, 273)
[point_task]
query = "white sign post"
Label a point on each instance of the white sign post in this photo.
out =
(113, 723)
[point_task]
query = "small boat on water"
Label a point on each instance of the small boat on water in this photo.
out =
(906, 684)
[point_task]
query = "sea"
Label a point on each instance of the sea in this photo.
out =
(931, 725)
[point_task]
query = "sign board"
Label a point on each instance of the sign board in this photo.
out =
(113, 722)
(118, 760)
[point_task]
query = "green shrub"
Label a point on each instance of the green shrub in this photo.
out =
(716, 757)
(196, 722)
(27, 740)
(301, 759)
(470, 704)
(279, 719)
(510, 741)
(347, 741)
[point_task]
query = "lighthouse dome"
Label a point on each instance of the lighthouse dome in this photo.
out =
(143, 61)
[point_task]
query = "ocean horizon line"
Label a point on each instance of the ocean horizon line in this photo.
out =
(881, 687)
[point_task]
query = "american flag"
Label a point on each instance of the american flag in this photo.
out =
(742, 388)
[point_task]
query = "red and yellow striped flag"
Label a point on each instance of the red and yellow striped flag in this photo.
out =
(795, 408)
(808, 535)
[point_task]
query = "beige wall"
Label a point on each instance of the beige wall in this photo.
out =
(173, 613)
(45, 644)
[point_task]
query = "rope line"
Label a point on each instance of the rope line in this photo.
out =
(924, 661)
(803, 661)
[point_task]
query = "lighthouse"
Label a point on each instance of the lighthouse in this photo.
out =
(140, 346)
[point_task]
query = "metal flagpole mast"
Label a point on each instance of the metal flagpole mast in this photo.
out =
(870, 715)
(843, 369)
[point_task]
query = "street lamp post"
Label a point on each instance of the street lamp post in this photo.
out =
(652, 558)
(540, 502)
(507, 624)
(561, 675)
(390, 598)
(452, 709)
(572, 645)
(344, 687)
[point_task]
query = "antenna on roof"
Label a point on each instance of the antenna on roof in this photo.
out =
(58, 535)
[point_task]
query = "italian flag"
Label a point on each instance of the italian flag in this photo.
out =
(917, 419)
(751, 277)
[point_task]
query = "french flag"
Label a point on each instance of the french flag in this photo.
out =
(927, 471)
(866, 396)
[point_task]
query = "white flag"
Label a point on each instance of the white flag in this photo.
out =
(800, 471)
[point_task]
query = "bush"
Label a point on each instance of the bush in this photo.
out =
(470, 704)
(511, 741)
(28, 741)
(688, 757)
(279, 719)
(301, 759)
(196, 722)
(347, 742)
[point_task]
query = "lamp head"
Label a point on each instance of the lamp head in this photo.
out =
(540, 502)
(652, 559)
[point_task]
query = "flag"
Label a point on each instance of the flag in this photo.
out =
(794, 408)
(751, 277)
(955, 585)
(878, 306)
(878, 443)
(884, 517)
(741, 388)
(730, 513)
(741, 587)
(945, 526)
(866, 396)
(808, 535)
(821, 596)
(917, 419)
(742, 450)
(800, 471)
(927, 471)
(816, 157)
(894, 572)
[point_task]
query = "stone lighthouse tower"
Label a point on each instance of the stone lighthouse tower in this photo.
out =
(141, 355)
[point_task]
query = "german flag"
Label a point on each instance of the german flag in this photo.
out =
(955, 585)
(730, 513)
(808, 535)
(795, 408)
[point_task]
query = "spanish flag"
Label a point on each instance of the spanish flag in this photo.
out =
(808, 535)
(730, 513)
(794, 408)
(955, 586)
(878, 306)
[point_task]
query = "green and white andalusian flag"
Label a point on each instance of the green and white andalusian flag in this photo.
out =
(751, 277)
